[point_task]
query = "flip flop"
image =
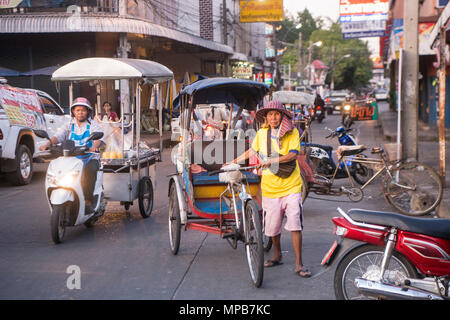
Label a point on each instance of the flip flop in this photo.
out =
(303, 272)
(272, 263)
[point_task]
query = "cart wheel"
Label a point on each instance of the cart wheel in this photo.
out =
(174, 220)
(254, 243)
(145, 197)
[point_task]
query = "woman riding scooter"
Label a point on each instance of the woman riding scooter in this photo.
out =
(78, 130)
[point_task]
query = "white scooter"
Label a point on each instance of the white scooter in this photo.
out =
(64, 190)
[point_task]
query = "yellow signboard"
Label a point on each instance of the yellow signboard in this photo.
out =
(261, 10)
(5, 4)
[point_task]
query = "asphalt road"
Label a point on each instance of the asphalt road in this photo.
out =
(129, 257)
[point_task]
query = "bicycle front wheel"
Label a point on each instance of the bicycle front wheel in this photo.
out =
(254, 247)
(413, 188)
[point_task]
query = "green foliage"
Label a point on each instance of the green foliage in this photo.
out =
(349, 73)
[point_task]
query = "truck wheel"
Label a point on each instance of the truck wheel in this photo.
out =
(24, 167)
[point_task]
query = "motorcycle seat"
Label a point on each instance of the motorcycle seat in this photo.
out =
(328, 149)
(439, 228)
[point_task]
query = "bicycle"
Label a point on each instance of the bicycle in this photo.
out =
(413, 188)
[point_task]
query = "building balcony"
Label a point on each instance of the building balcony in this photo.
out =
(42, 7)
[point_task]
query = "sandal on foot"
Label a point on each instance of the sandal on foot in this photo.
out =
(272, 263)
(303, 272)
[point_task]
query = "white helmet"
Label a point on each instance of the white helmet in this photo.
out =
(80, 101)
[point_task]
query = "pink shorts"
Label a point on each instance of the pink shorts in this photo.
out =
(274, 210)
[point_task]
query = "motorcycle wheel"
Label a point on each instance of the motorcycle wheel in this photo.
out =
(360, 172)
(364, 262)
(57, 222)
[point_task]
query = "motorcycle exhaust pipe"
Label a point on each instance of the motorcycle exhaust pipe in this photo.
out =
(377, 289)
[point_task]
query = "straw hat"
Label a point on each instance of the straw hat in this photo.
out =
(272, 105)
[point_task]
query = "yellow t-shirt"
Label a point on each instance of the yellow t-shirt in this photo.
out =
(273, 186)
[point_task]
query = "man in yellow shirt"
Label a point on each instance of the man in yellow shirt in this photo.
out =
(281, 181)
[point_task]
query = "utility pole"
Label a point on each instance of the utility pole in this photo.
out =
(441, 113)
(410, 83)
(277, 77)
(225, 36)
(309, 61)
(300, 62)
(333, 49)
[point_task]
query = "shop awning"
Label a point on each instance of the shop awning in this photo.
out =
(60, 23)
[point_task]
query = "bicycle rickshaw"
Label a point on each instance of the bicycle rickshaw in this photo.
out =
(217, 200)
(129, 172)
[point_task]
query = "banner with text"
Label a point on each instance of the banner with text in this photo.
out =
(362, 10)
(261, 11)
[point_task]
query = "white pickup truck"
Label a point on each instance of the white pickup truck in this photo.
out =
(21, 111)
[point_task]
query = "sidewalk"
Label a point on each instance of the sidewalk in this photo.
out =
(428, 150)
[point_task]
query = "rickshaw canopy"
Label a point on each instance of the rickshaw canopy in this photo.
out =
(244, 93)
(112, 69)
(293, 97)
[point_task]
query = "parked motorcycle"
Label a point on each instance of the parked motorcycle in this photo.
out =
(64, 190)
(321, 157)
(395, 256)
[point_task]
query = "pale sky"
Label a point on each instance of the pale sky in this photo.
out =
(324, 8)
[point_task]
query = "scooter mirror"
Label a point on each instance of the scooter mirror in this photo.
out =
(41, 134)
(95, 136)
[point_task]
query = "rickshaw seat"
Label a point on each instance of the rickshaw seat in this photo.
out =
(202, 178)
(211, 155)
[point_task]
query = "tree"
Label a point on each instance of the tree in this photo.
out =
(350, 73)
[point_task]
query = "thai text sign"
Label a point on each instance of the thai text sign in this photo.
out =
(363, 29)
(261, 11)
(362, 112)
(22, 107)
(5, 4)
(361, 10)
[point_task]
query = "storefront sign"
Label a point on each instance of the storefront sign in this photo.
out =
(268, 78)
(362, 10)
(261, 11)
(242, 72)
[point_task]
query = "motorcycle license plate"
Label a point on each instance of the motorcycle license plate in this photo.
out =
(327, 258)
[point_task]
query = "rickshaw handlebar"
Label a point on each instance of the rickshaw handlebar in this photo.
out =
(210, 173)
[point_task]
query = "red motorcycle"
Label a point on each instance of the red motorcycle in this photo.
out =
(395, 256)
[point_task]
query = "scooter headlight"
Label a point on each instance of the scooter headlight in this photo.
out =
(347, 107)
(69, 179)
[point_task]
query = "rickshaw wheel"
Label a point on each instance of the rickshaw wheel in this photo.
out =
(254, 243)
(145, 197)
(174, 220)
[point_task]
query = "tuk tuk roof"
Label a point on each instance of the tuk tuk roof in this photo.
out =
(226, 90)
(294, 97)
(112, 69)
